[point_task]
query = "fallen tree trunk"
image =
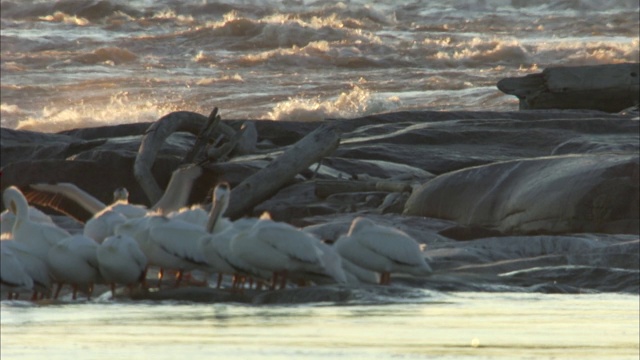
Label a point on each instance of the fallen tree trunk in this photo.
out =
(610, 88)
(155, 137)
(266, 182)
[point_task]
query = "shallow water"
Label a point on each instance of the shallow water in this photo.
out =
(438, 326)
(73, 63)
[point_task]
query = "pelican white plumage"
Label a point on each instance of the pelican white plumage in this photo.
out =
(13, 276)
(382, 249)
(74, 261)
(281, 248)
(174, 244)
(40, 236)
(217, 250)
(174, 197)
(121, 261)
(167, 243)
(216, 263)
(359, 275)
(195, 215)
(328, 273)
(104, 222)
(33, 265)
(178, 190)
(7, 219)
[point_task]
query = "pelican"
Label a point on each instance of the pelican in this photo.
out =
(195, 215)
(359, 275)
(7, 219)
(214, 246)
(35, 267)
(103, 223)
(74, 261)
(174, 244)
(331, 260)
(217, 251)
(167, 243)
(281, 248)
(121, 261)
(12, 273)
(381, 249)
(175, 196)
(40, 236)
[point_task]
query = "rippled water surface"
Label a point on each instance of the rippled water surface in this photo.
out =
(76, 63)
(441, 326)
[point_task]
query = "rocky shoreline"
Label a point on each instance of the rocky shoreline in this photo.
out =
(540, 201)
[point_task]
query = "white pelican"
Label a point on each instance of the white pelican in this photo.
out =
(381, 249)
(13, 276)
(175, 196)
(74, 261)
(215, 244)
(195, 215)
(34, 266)
(281, 248)
(121, 261)
(331, 260)
(104, 222)
(359, 275)
(217, 251)
(7, 219)
(40, 236)
(174, 244)
(168, 244)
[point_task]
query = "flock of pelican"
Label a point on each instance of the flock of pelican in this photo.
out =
(121, 241)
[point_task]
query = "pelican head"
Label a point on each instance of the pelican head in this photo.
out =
(359, 224)
(221, 197)
(14, 200)
(121, 194)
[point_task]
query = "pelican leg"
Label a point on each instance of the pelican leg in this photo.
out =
(283, 279)
(219, 281)
(75, 292)
(179, 276)
(385, 278)
(55, 296)
(274, 280)
(160, 276)
(143, 277)
(89, 292)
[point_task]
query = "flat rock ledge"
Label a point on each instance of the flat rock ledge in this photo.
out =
(533, 200)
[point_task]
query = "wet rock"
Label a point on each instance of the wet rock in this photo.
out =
(561, 194)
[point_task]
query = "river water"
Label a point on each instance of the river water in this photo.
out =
(76, 63)
(437, 326)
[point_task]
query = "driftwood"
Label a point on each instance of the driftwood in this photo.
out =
(324, 188)
(155, 136)
(218, 153)
(203, 138)
(610, 88)
(266, 182)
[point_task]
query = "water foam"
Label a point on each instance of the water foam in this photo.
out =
(120, 109)
(61, 17)
(356, 102)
